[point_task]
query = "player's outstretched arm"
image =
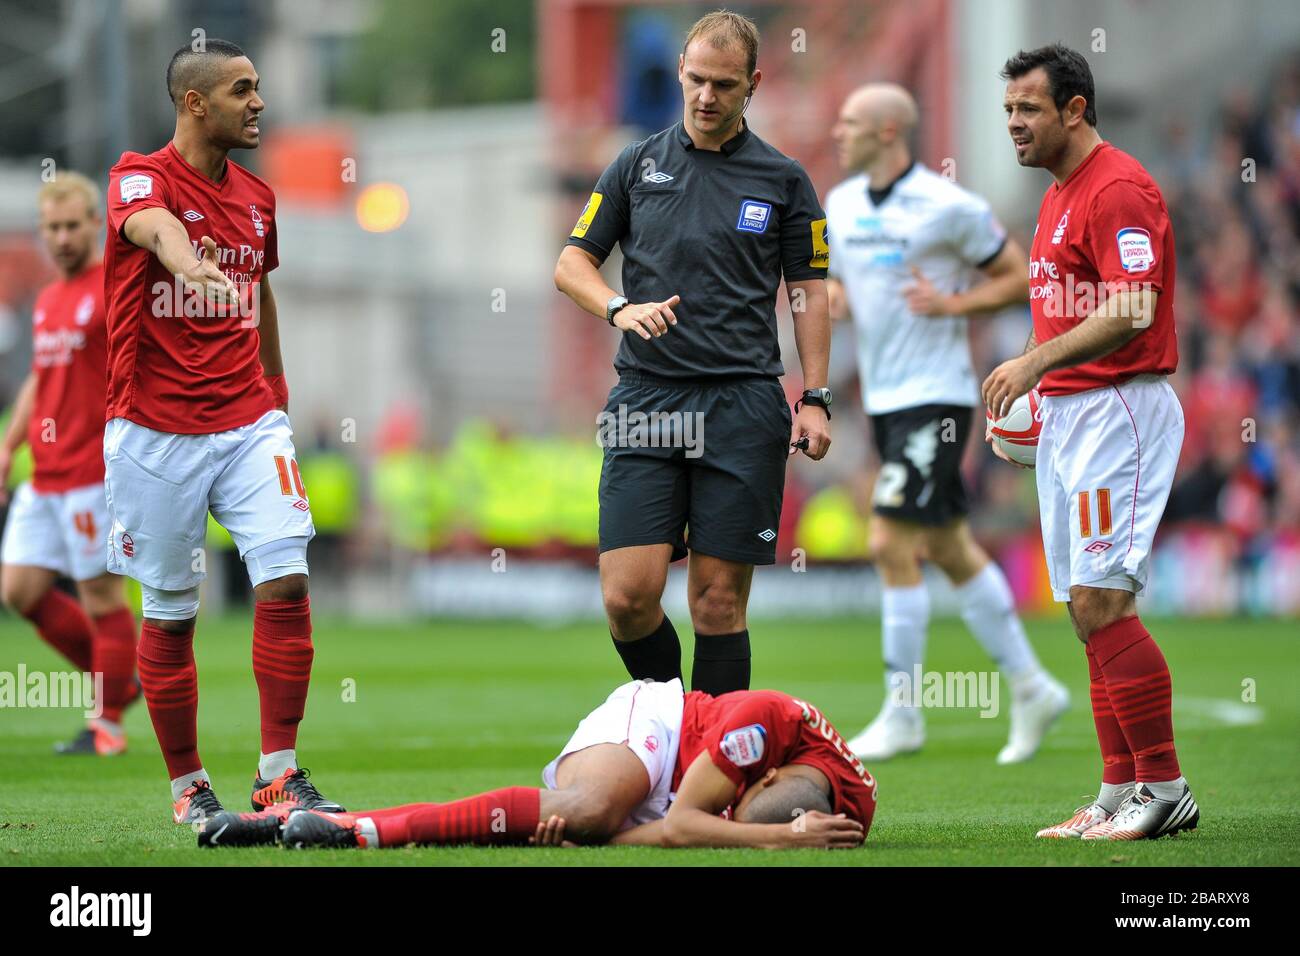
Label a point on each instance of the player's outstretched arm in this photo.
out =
(16, 433)
(693, 820)
(1118, 320)
(647, 834)
(162, 234)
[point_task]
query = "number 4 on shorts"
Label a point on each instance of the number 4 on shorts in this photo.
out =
(84, 522)
(1103, 513)
(283, 467)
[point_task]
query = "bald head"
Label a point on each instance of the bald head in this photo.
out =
(875, 126)
(883, 104)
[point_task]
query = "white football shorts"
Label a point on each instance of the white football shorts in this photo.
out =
(646, 716)
(1106, 461)
(63, 531)
(161, 487)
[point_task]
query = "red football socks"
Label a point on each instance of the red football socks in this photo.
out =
(171, 689)
(509, 815)
(1141, 696)
(1116, 761)
(114, 657)
(282, 656)
(63, 625)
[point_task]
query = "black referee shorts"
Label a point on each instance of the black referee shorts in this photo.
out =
(698, 464)
(920, 473)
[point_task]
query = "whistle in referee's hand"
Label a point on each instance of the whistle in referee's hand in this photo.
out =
(801, 444)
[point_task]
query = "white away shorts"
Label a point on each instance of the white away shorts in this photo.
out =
(1106, 461)
(648, 718)
(63, 531)
(161, 487)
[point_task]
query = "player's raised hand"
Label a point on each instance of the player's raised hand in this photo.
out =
(647, 319)
(813, 425)
(924, 299)
(205, 276)
(826, 831)
(1006, 383)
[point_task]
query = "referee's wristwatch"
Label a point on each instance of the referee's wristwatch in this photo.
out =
(612, 307)
(816, 396)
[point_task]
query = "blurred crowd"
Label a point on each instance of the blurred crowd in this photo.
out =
(1236, 212)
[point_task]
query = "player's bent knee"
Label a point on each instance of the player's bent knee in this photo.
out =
(717, 609)
(102, 595)
(891, 545)
(176, 607)
(276, 560)
(629, 603)
(15, 597)
(1092, 608)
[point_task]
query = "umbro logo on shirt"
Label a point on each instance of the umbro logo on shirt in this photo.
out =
(189, 215)
(657, 178)
(767, 534)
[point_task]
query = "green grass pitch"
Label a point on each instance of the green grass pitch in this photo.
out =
(446, 709)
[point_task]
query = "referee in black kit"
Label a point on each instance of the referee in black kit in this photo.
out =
(697, 431)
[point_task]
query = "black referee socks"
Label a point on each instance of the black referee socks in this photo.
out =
(657, 656)
(721, 663)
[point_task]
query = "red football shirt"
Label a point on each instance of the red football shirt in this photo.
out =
(747, 732)
(1104, 228)
(69, 358)
(176, 363)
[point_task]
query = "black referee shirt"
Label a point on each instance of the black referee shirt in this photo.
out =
(717, 228)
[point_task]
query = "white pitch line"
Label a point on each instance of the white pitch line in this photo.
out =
(1231, 713)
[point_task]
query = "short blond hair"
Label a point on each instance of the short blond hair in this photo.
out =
(727, 31)
(67, 184)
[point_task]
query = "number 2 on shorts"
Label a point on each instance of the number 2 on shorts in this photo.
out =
(282, 468)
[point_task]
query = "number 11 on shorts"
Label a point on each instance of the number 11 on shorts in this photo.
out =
(283, 467)
(1103, 513)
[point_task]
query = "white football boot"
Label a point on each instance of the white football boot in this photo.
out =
(1144, 816)
(896, 730)
(1085, 818)
(1031, 718)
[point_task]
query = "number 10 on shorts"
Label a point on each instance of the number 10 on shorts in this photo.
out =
(1103, 513)
(283, 467)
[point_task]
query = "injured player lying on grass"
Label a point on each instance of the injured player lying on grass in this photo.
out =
(651, 766)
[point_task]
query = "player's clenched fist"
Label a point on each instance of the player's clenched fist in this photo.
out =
(647, 319)
(823, 831)
(205, 276)
(811, 424)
